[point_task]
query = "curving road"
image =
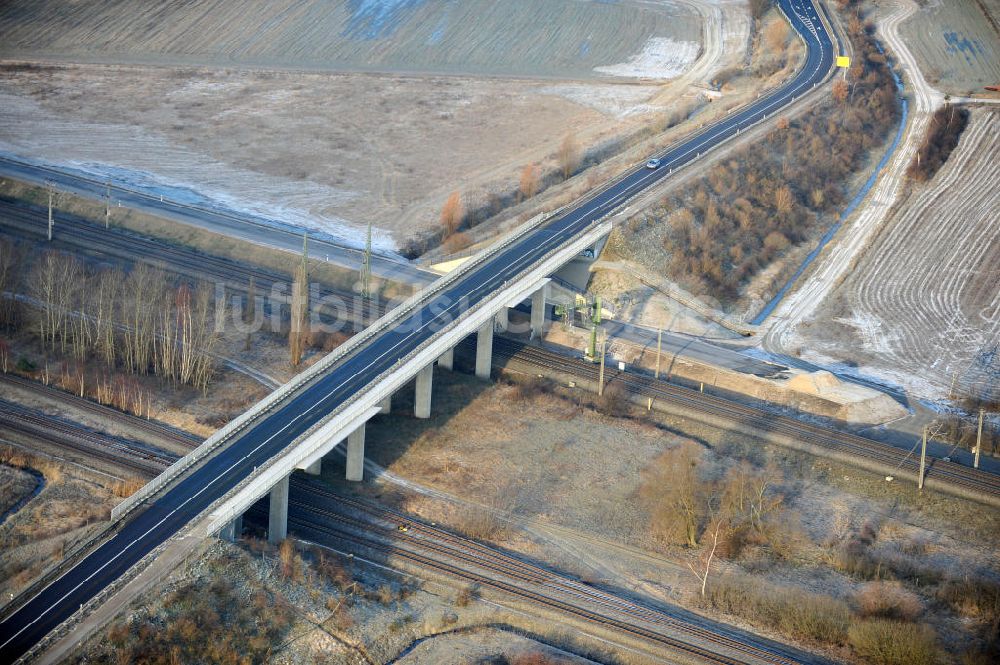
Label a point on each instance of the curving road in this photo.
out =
(145, 529)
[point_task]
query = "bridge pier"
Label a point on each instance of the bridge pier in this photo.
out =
(356, 454)
(447, 359)
(538, 299)
(425, 384)
(386, 405)
(484, 350)
(315, 468)
(233, 529)
(502, 319)
(277, 519)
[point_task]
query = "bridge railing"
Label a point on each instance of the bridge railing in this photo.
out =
(275, 398)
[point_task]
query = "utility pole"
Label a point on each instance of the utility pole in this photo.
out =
(979, 441)
(600, 377)
(923, 460)
(107, 206)
(366, 266)
(659, 348)
(52, 192)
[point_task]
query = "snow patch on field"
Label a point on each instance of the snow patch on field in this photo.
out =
(147, 161)
(660, 58)
(618, 101)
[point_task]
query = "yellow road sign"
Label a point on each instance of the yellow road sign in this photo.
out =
(843, 61)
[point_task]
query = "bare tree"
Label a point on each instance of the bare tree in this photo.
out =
(529, 181)
(707, 555)
(784, 199)
(11, 261)
(54, 285)
(676, 495)
(775, 36)
(840, 91)
(142, 299)
(569, 156)
(451, 214)
(105, 294)
(250, 311)
(298, 333)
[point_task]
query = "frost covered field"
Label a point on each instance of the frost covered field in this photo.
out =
(922, 307)
(561, 38)
(332, 114)
(957, 43)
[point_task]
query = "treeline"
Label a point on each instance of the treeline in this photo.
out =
(140, 321)
(748, 210)
(946, 128)
(462, 212)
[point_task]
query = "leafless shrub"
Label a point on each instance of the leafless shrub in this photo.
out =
(466, 595)
(451, 214)
(792, 611)
(888, 600)
(945, 129)
(973, 596)
(384, 594)
(886, 642)
(332, 569)
(614, 401)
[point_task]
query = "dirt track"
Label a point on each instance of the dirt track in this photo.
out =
(858, 232)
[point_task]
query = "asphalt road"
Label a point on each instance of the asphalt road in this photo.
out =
(149, 527)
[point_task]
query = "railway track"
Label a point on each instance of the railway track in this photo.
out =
(129, 246)
(851, 448)
(941, 474)
(426, 546)
(148, 426)
(144, 461)
(439, 543)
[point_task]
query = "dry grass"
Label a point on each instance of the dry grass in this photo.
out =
(859, 556)
(886, 642)
(15, 486)
(791, 611)
(22, 460)
(201, 623)
(127, 487)
(973, 597)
